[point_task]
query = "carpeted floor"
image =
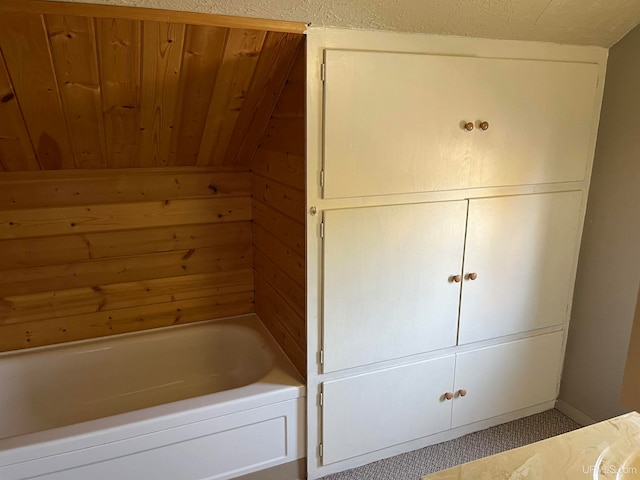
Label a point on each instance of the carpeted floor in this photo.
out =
(412, 465)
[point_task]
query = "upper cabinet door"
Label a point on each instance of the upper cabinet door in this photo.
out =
(521, 251)
(394, 122)
(389, 289)
(539, 121)
(387, 127)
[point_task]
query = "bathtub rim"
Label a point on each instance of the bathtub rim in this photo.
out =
(281, 383)
(180, 326)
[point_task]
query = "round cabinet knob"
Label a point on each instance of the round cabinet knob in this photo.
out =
(484, 125)
(448, 395)
(468, 126)
(462, 392)
(473, 276)
(456, 278)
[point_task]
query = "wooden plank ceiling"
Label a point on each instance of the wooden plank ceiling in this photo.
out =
(97, 92)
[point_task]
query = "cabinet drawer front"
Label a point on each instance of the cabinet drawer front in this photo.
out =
(377, 410)
(506, 378)
(388, 291)
(394, 122)
(523, 249)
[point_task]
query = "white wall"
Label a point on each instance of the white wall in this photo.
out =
(609, 266)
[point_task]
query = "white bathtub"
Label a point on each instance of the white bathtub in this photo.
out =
(211, 400)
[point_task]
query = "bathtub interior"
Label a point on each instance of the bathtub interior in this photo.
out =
(68, 384)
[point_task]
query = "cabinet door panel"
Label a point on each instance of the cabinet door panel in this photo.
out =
(523, 251)
(377, 410)
(394, 122)
(540, 117)
(388, 128)
(506, 378)
(388, 291)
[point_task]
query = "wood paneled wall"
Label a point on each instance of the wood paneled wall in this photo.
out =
(105, 87)
(95, 239)
(92, 253)
(278, 205)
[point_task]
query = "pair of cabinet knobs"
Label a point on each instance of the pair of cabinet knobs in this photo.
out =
(458, 278)
(462, 392)
(483, 126)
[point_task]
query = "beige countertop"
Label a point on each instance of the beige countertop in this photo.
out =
(604, 451)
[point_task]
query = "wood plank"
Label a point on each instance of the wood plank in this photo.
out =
(298, 74)
(285, 229)
(74, 54)
(162, 44)
(290, 262)
(202, 57)
(292, 99)
(295, 353)
(78, 327)
(31, 252)
(24, 43)
(286, 168)
(104, 298)
(269, 299)
(123, 216)
(16, 151)
(135, 186)
(287, 200)
(292, 292)
(31, 280)
(108, 172)
(137, 13)
(119, 49)
(168, 239)
(286, 135)
(234, 78)
(276, 59)
(58, 250)
(291, 103)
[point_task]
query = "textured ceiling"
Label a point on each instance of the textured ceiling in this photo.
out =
(581, 22)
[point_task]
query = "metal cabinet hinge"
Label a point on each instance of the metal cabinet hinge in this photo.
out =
(321, 399)
(321, 357)
(322, 178)
(320, 450)
(323, 72)
(322, 232)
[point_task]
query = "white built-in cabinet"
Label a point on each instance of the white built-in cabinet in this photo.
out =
(446, 196)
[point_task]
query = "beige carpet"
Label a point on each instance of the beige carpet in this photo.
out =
(412, 465)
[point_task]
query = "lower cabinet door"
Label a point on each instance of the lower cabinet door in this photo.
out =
(372, 411)
(505, 378)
